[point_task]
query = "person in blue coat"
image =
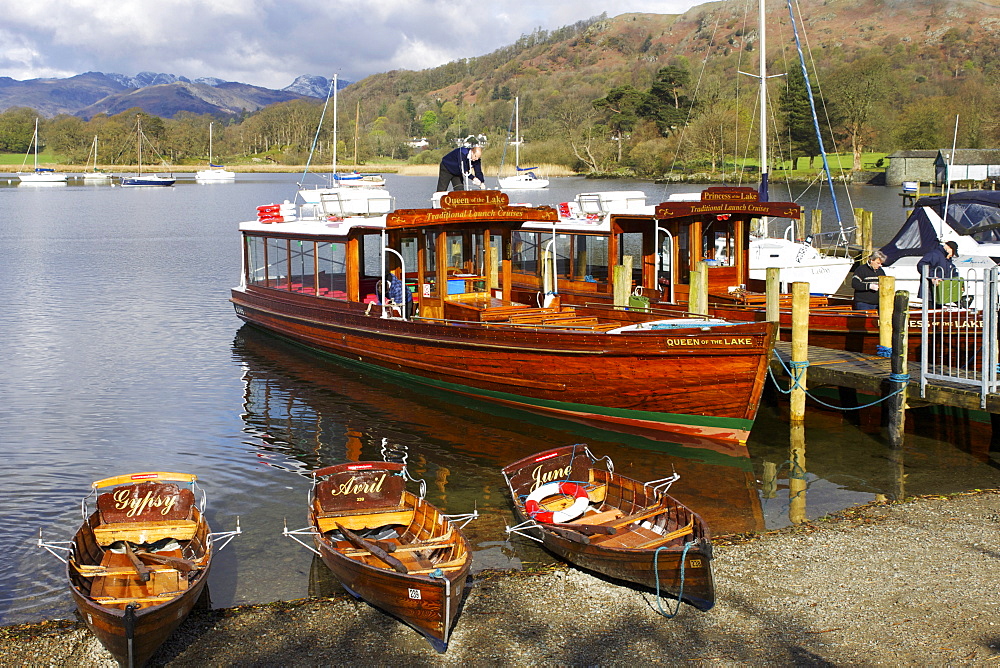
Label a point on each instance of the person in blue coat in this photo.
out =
(939, 263)
(461, 166)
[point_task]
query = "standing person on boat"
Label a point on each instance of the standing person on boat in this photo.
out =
(462, 166)
(940, 265)
(865, 282)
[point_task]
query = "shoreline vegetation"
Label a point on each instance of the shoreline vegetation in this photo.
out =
(546, 170)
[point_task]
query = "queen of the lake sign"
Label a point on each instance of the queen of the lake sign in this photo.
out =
(464, 206)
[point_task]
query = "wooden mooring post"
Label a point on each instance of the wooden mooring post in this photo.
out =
(886, 301)
(895, 406)
(772, 296)
(800, 350)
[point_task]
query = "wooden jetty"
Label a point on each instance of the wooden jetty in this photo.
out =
(869, 374)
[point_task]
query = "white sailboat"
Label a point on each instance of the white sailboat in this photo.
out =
(799, 261)
(214, 172)
(93, 175)
(40, 175)
(140, 179)
(524, 177)
(339, 199)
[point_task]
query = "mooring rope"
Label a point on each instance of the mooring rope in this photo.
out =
(797, 370)
(680, 592)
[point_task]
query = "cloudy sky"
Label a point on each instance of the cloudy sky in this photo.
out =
(270, 42)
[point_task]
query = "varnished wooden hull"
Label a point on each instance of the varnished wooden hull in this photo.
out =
(428, 602)
(693, 382)
(678, 568)
(153, 624)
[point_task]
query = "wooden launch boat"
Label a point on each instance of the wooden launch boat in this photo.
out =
(670, 240)
(389, 546)
(605, 522)
(312, 278)
(140, 561)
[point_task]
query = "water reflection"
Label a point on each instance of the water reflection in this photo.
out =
(309, 411)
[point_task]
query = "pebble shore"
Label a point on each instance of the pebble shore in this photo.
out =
(908, 584)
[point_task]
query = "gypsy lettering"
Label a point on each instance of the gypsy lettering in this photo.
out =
(540, 478)
(138, 506)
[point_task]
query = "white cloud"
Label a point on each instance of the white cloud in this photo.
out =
(270, 42)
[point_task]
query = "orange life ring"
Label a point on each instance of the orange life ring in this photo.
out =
(533, 504)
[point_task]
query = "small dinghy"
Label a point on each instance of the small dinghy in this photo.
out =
(601, 521)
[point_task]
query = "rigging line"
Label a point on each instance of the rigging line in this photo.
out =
(319, 126)
(826, 114)
(812, 107)
(701, 75)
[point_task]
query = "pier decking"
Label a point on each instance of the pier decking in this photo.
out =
(870, 374)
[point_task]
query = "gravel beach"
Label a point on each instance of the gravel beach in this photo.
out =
(914, 583)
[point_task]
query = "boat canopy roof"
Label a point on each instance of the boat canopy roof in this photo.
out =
(974, 213)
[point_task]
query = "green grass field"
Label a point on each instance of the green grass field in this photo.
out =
(44, 158)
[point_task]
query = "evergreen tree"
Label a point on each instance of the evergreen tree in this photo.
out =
(794, 105)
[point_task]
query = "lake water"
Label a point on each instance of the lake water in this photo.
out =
(121, 353)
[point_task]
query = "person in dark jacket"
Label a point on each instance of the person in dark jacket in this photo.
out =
(461, 166)
(865, 282)
(939, 265)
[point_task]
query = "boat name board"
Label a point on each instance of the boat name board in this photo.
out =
(458, 199)
(728, 207)
(725, 341)
(137, 506)
(425, 217)
(541, 477)
(354, 486)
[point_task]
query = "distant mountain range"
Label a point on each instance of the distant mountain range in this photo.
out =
(164, 95)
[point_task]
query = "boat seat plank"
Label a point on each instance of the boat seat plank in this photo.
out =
(634, 538)
(369, 520)
(145, 532)
(673, 535)
(444, 566)
(599, 517)
(636, 517)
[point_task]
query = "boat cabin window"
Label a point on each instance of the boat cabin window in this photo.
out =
(630, 243)
(579, 257)
(276, 271)
(719, 244)
(524, 252)
(300, 266)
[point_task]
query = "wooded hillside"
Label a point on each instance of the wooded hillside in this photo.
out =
(638, 93)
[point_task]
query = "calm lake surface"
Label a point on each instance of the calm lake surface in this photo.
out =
(121, 353)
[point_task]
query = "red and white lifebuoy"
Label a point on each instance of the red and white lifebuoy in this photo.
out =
(533, 504)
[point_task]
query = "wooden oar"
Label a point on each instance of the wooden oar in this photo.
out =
(183, 565)
(139, 567)
(586, 529)
(377, 552)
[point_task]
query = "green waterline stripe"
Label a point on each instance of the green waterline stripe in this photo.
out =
(645, 416)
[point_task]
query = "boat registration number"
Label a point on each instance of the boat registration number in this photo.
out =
(415, 594)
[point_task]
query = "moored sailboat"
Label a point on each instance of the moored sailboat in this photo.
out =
(214, 172)
(140, 179)
(39, 175)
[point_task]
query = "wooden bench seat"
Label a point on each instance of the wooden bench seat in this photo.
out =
(370, 519)
(145, 532)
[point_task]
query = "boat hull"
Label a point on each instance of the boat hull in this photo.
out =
(153, 624)
(429, 605)
(690, 383)
(681, 567)
(146, 181)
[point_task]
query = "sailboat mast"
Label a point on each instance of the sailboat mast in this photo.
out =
(36, 144)
(517, 133)
(763, 106)
(138, 141)
(333, 168)
(210, 144)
